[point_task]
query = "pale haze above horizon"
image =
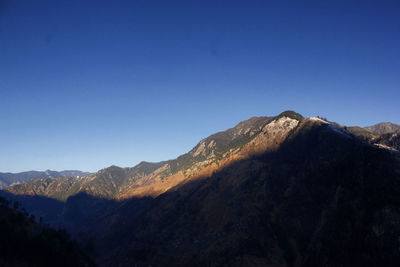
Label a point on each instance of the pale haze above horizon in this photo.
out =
(89, 84)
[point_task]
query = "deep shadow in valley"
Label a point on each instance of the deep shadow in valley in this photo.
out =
(322, 199)
(24, 242)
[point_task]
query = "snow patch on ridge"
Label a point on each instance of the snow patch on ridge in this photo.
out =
(381, 146)
(317, 119)
(280, 126)
(336, 128)
(339, 130)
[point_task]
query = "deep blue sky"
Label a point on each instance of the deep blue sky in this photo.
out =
(88, 84)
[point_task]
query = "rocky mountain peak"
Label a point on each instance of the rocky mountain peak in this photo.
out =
(248, 138)
(273, 188)
(291, 114)
(383, 128)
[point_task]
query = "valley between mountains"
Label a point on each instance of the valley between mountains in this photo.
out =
(272, 191)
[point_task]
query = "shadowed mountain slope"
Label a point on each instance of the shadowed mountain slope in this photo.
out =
(389, 140)
(155, 178)
(323, 198)
(385, 135)
(272, 191)
(26, 243)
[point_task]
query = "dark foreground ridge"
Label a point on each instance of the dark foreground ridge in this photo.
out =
(23, 242)
(316, 195)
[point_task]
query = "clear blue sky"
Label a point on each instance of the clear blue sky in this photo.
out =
(88, 84)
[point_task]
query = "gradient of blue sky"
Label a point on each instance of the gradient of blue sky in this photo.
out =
(88, 84)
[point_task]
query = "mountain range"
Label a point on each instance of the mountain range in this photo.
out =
(7, 178)
(272, 191)
(209, 155)
(384, 134)
(383, 128)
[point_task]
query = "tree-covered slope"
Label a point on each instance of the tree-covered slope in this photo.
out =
(280, 191)
(385, 137)
(23, 242)
(323, 198)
